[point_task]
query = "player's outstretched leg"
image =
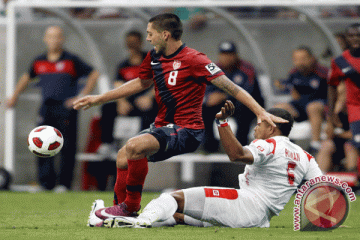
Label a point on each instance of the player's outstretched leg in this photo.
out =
(137, 149)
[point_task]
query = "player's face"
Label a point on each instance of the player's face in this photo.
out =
(262, 130)
(303, 61)
(227, 60)
(155, 38)
(133, 43)
(353, 36)
(54, 38)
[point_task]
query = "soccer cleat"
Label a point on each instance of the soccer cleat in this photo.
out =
(127, 222)
(93, 220)
(115, 211)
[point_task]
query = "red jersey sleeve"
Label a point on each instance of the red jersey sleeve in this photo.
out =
(145, 71)
(335, 74)
(203, 67)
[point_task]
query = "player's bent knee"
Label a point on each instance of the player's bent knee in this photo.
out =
(180, 199)
(141, 146)
(121, 160)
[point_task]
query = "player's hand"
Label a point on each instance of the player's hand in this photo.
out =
(269, 118)
(329, 130)
(226, 111)
(335, 120)
(70, 102)
(87, 102)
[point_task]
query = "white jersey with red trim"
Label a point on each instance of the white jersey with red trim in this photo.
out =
(279, 167)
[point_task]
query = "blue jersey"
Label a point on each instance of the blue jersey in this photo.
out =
(312, 86)
(58, 80)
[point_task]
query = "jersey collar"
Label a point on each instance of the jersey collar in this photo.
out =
(176, 52)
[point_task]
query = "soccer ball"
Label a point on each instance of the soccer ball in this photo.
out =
(45, 141)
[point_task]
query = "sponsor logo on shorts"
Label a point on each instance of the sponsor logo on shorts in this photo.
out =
(322, 203)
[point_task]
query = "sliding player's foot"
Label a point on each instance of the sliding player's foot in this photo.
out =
(93, 220)
(127, 222)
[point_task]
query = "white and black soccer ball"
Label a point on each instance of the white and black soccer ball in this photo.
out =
(45, 141)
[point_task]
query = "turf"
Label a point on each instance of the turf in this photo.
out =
(63, 216)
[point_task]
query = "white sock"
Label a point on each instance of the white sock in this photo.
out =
(160, 209)
(192, 221)
(168, 222)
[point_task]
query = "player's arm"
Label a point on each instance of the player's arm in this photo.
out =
(232, 146)
(127, 89)
(225, 84)
(20, 87)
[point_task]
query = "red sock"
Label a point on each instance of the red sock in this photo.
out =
(137, 171)
(120, 186)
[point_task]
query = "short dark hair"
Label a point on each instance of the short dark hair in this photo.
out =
(351, 26)
(135, 34)
(285, 128)
(169, 22)
(306, 49)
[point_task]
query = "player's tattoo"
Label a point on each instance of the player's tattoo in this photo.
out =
(225, 84)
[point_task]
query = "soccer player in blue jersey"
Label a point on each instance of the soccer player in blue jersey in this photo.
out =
(58, 72)
(180, 75)
(308, 84)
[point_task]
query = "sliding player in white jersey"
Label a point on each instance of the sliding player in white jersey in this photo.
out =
(275, 167)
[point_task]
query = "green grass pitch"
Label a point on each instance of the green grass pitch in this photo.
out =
(64, 216)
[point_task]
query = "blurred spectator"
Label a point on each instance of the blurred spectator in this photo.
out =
(241, 73)
(307, 83)
(82, 13)
(345, 69)
(58, 72)
(339, 11)
(141, 104)
(338, 146)
(341, 39)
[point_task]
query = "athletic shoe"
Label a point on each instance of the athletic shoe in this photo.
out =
(94, 221)
(127, 222)
(115, 211)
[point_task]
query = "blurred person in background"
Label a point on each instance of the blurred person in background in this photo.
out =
(346, 69)
(337, 150)
(307, 84)
(141, 104)
(242, 74)
(58, 72)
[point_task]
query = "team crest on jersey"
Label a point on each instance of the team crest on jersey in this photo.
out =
(212, 68)
(60, 66)
(314, 83)
(176, 64)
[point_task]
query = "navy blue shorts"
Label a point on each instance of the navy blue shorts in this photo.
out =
(174, 140)
(300, 106)
(355, 130)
